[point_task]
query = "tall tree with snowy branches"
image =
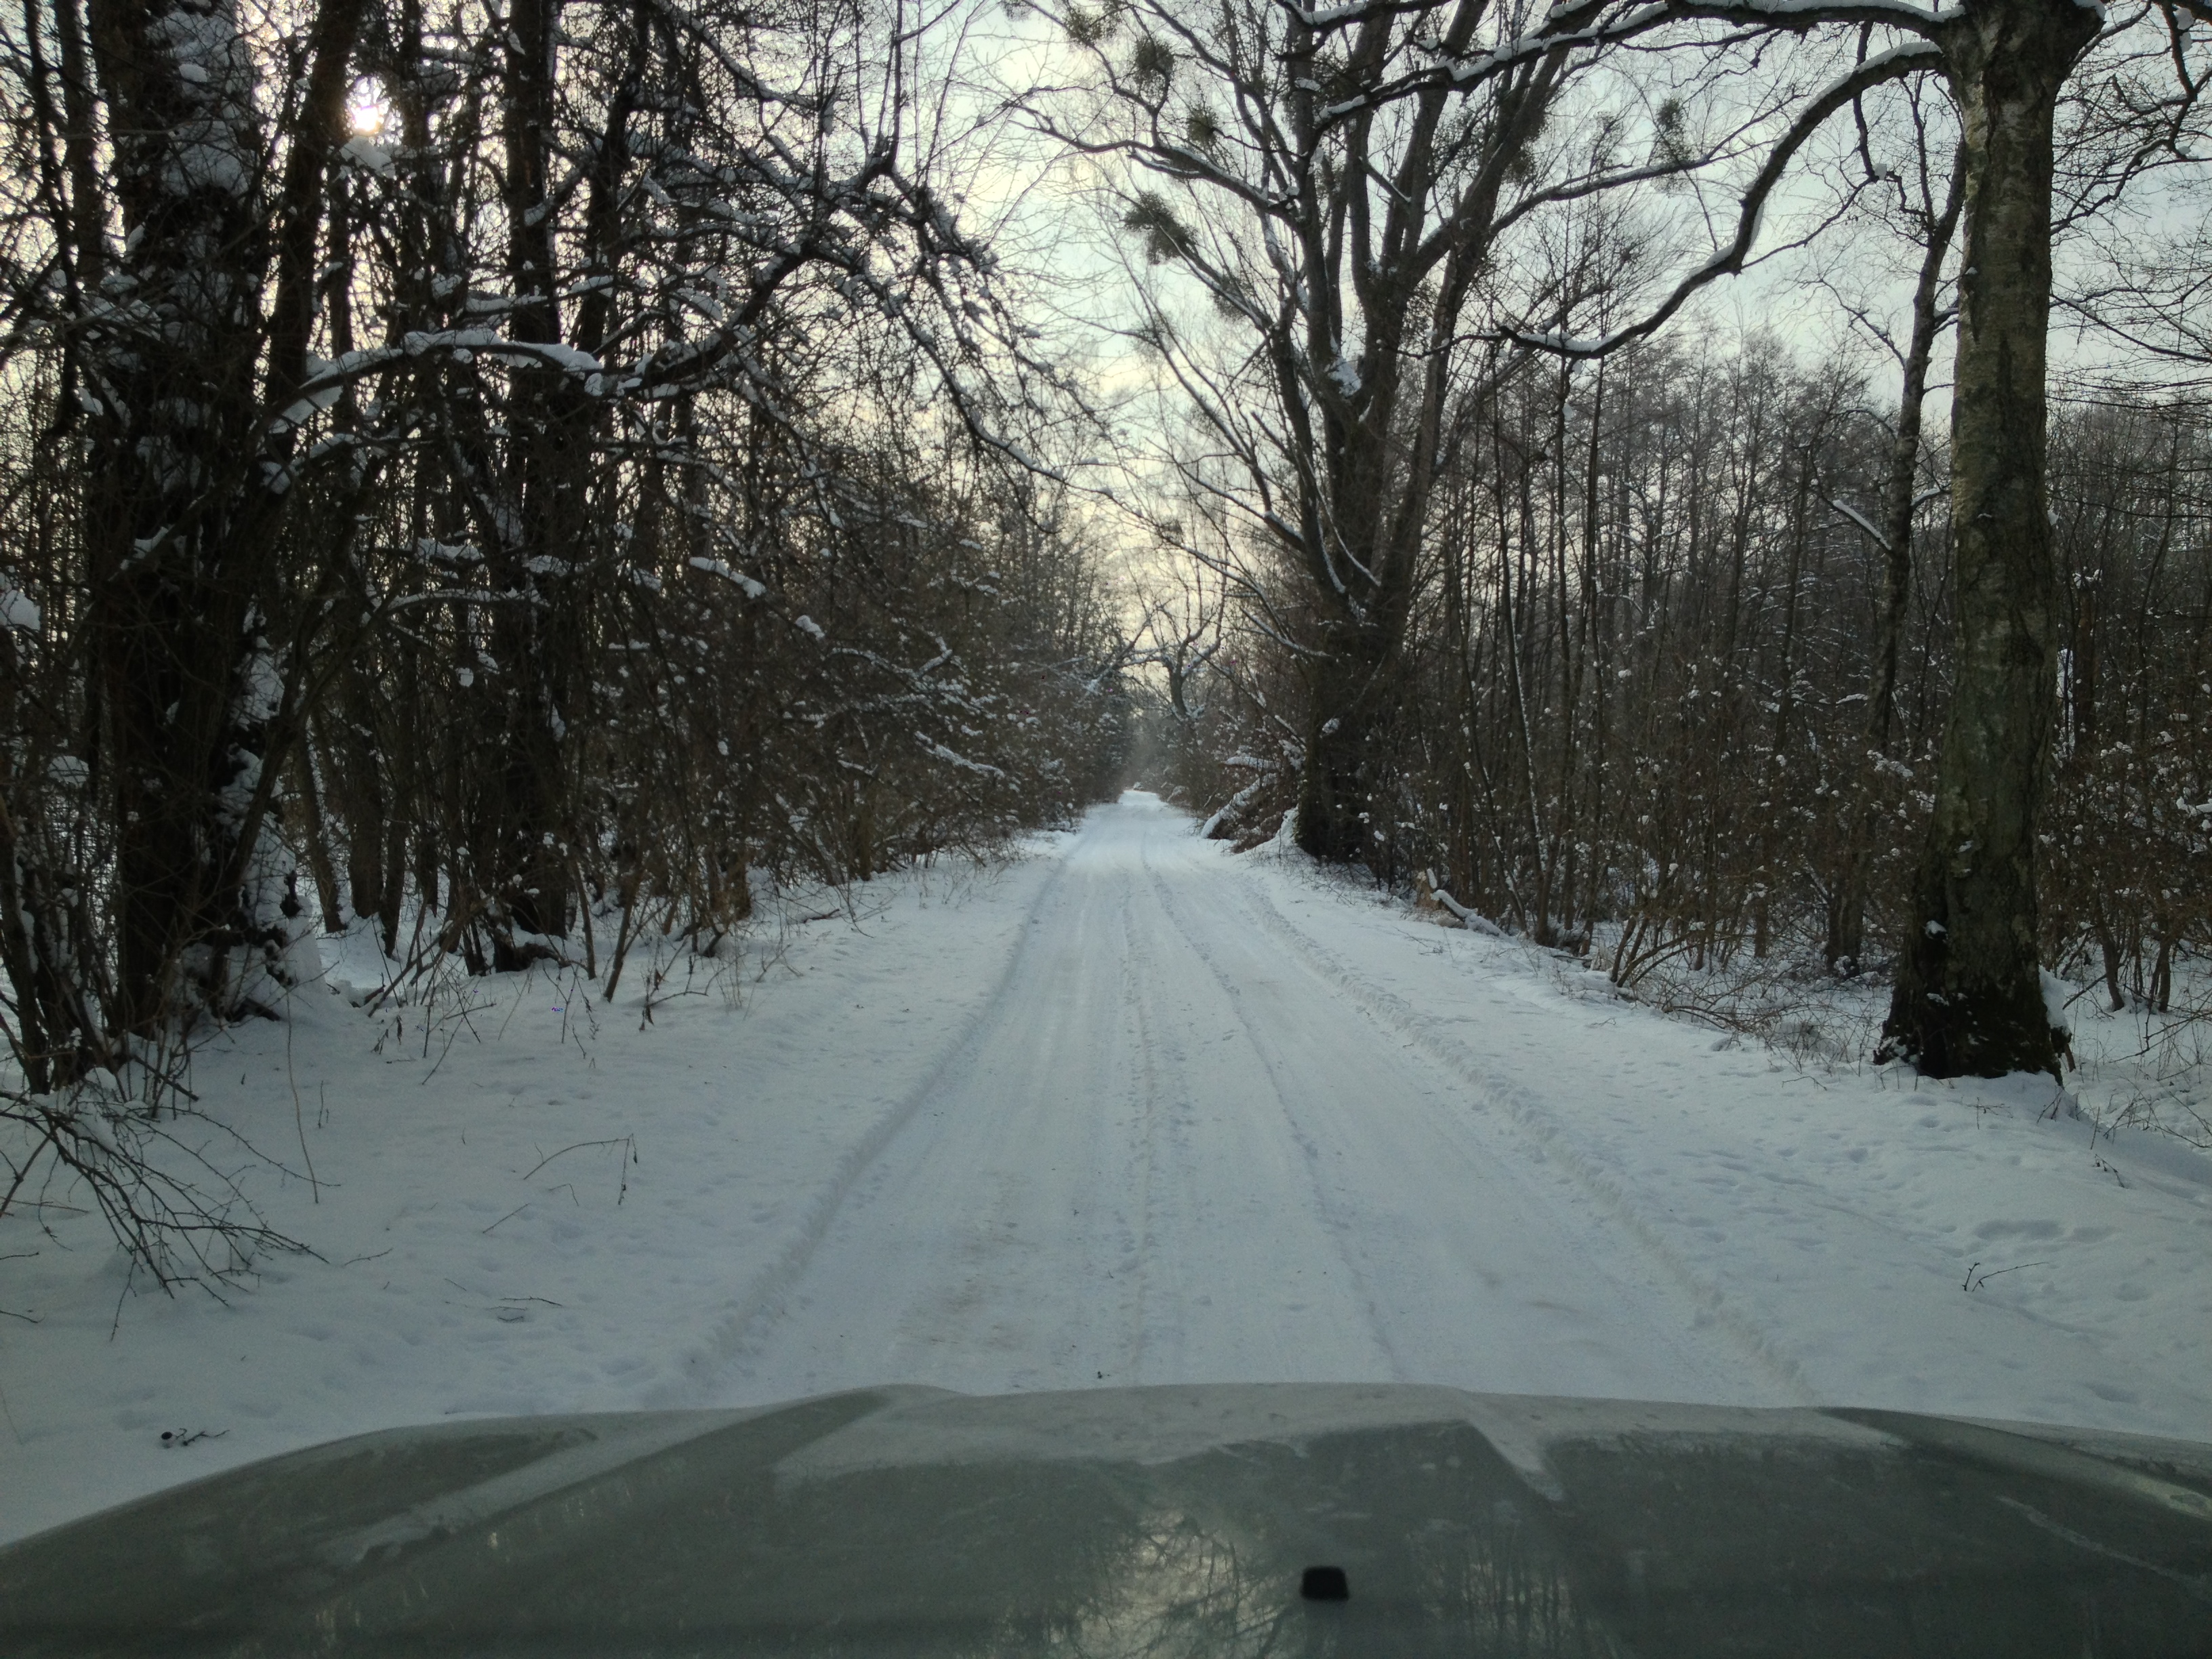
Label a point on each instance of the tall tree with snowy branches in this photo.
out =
(190, 349)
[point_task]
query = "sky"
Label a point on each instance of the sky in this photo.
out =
(1083, 273)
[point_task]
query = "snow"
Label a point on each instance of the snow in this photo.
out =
(2055, 993)
(364, 153)
(462, 342)
(212, 148)
(327, 390)
(752, 589)
(953, 758)
(1128, 1108)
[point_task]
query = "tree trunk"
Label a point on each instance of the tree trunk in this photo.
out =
(1846, 939)
(1968, 999)
(188, 482)
(173, 374)
(549, 444)
(1349, 705)
(314, 832)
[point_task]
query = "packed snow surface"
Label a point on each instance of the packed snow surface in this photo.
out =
(1126, 1110)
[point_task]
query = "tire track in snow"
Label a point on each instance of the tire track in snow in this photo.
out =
(1527, 1115)
(1137, 1007)
(1334, 1223)
(1309, 1154)
(761, 1306)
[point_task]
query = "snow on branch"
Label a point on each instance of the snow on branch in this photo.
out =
(930, 745)
(322, 388)
(1874, 535)
(752, 589)
(1802, 14)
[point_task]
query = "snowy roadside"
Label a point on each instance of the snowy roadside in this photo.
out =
(1884, 1239)
(542, 1207)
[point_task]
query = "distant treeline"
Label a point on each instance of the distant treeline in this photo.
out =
(1643, 701)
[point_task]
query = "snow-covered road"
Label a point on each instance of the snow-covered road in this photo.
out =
(1171, 1148)
(1125, 1109)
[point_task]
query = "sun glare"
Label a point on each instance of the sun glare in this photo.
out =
(367, 112)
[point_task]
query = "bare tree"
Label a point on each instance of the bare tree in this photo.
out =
(1339, 205)
(1968, 996)
(198, 330)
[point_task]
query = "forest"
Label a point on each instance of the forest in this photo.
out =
(1671, 696)
(525, 477)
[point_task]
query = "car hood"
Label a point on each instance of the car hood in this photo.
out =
(1162, 1521)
